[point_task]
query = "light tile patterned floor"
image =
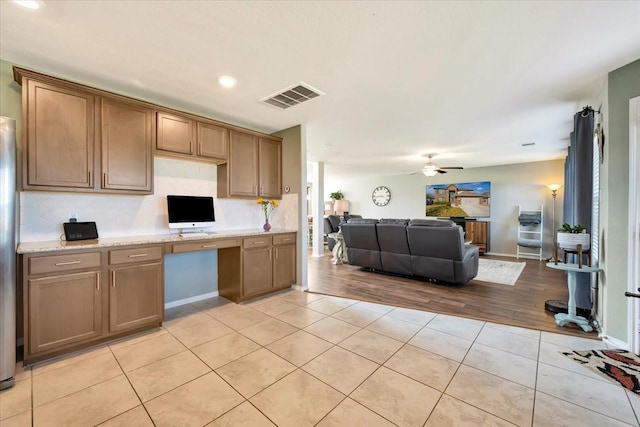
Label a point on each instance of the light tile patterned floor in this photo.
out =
(297, 359)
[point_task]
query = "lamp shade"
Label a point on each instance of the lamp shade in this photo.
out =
(341, 206)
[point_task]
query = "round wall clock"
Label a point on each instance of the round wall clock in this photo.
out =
(381, 196)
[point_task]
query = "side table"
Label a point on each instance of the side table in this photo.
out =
(572, 270)
(339, 250)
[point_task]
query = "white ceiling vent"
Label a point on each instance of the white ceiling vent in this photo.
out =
(292, 95)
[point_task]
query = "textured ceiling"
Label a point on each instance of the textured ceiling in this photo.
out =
(468, 81)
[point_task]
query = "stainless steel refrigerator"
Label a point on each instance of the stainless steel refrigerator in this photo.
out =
(7, 252)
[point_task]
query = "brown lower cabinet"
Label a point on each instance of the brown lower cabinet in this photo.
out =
(478, 233)
(63, 310)
(135, 299)
(268, 264)
(256, 272)
(76, 298)
(284, 260)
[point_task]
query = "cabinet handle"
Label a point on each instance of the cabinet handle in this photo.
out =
(258, 243)
(209, 246)
(200, 147)
(58, 264)
(98, 285)
(113, 279)
(269, 254)
(276, 255)
(104, 180)
(286, 240)
(89, 177)
(138, 255)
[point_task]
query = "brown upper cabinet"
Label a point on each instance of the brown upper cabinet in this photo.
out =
(181, 136)
(254, 167)
(79, 138)
(270, 167)
(126, 140)
(60, 135)
(76, 140)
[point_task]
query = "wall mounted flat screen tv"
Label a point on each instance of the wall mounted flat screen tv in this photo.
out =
(190, 211)
(462, 200)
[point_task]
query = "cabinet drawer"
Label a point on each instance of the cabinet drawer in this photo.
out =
(66, 262)
(284, 239)
(256, 242)
(126, 256)
(177, 248)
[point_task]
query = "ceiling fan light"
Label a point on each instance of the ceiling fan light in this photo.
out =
(430, 170)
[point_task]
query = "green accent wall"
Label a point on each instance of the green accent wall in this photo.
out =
(11, 106)
(624, 84)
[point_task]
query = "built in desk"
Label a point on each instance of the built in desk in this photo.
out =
(76, 294)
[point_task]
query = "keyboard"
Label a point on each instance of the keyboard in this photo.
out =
(194, 234)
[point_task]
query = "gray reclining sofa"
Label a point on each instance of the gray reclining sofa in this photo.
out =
(425, 248)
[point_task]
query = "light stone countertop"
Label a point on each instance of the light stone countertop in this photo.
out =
(61, 245)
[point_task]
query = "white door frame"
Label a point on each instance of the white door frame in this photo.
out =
(634, 224)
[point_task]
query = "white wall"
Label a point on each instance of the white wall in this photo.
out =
(42, 213)
(511, 185)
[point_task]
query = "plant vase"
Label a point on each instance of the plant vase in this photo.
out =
(571, 241)
(266, 226)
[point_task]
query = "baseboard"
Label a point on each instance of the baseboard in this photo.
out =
(614, 342)
(522, 256)
(190, 300)
(498, 254)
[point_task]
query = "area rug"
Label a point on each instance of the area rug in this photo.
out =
(501, 272)
(619, 365)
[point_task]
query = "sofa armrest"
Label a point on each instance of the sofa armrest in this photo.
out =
(467, 269)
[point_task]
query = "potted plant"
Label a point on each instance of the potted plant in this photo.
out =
(337, 195)
(570, 237)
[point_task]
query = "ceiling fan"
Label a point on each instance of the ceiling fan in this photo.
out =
(431, 169)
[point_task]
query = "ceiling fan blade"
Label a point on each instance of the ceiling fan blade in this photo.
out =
(440, 171)
(451, 167)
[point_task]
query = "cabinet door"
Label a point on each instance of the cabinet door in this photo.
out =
(127, 137)
(256, 271)
(284, 266)
(136, 296)
(60, 137)
(63, 310)
(477, 232)
(175, 134)
(270, 168)
(212, 141)
(243, 164)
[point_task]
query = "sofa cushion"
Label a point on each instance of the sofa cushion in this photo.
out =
(362, 221)
(346, 218)
(432, 222)
(331, 224)
(393, 221)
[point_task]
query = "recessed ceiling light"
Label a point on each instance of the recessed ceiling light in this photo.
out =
(227, 81)
(30, 4)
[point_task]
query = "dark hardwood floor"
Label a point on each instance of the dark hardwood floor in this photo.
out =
(519, 305)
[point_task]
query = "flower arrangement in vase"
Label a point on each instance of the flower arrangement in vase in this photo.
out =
(267, 206)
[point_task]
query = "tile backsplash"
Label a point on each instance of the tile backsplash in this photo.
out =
(42, 213)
